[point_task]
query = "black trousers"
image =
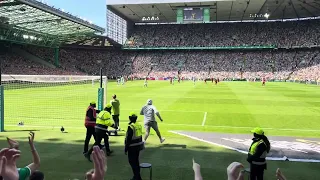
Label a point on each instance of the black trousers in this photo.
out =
(89, 134)
(116, 120)
(256, 172)
(133, 157)
(100, 134)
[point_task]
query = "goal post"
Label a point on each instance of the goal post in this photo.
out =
(1, 107)
(101, 93)
(48, 101)
(105, 85)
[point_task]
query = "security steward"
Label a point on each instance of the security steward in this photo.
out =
(258, 151)
(134, 144)
(115, 109)
(104, 120)
(90, 123)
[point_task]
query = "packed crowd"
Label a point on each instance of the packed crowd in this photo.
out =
(294, 64)
(281, 34)
(278, 65)
(15, 64)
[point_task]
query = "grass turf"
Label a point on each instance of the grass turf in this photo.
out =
(285, 109)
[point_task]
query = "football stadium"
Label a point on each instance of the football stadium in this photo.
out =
(233, 86)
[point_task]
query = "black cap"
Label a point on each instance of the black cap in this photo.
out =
(37, 175)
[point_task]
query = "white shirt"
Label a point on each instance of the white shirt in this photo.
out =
(149, 112)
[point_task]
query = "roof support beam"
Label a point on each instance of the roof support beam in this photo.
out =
(216, 11)
(275, 10)
(307, 10)
(14, 3)
(265, 1)
(283, 12)
(312, 6)
(37, 21)
(294, 9)
(244, 12)
(230, 10)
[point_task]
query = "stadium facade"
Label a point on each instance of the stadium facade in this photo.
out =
(125, 14)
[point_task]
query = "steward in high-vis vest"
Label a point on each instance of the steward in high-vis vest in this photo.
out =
(90, 123)
(104, 120)
(258, 151)
(134, 144)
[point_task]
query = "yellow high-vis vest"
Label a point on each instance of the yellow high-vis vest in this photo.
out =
(104, 120)
(137, 134)
(253, 150)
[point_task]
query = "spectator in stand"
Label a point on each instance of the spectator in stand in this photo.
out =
(280, 64)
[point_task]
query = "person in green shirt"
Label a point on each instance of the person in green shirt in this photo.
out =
(24, 173)
(115, 110)
(31, 169)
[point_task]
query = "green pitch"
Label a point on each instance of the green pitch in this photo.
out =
(286, 109)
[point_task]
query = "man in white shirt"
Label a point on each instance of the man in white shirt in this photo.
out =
(149, 112)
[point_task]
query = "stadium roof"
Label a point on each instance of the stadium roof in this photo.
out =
(36, 16)
(94, 42)
(220, 10)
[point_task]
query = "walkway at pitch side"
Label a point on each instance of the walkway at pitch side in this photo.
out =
(282, 148)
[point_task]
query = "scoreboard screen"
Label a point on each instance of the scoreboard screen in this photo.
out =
(193, 14)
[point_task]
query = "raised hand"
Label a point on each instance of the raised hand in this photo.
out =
(31, 138)
(195, 166)
(8, 167)
(234, 171)
(196, 169)
(12, 143)
(99, 161)
(279, 175)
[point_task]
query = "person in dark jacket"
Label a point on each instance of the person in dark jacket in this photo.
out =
(134, 144)
(90, 123)
(258, 151)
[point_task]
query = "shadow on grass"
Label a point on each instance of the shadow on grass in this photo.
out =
(201, 147)
(183, 146)
(79, 140)
(22, 130)
(53, 139)
(64, 161)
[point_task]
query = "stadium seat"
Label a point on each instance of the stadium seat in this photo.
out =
(247, 170)
(147, 166)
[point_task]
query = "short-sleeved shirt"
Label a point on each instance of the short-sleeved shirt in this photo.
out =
(24, 173)
(115, 106)
(148, 111)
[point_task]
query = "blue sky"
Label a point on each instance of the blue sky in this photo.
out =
(92, 10)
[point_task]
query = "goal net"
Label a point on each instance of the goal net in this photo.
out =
(44, 101)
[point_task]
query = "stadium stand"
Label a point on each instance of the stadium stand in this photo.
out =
(275, 64)
(282, 34)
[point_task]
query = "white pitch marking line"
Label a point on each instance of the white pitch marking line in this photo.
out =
(167, 110)
(245, 152)
(169, 124)
(204, 118)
